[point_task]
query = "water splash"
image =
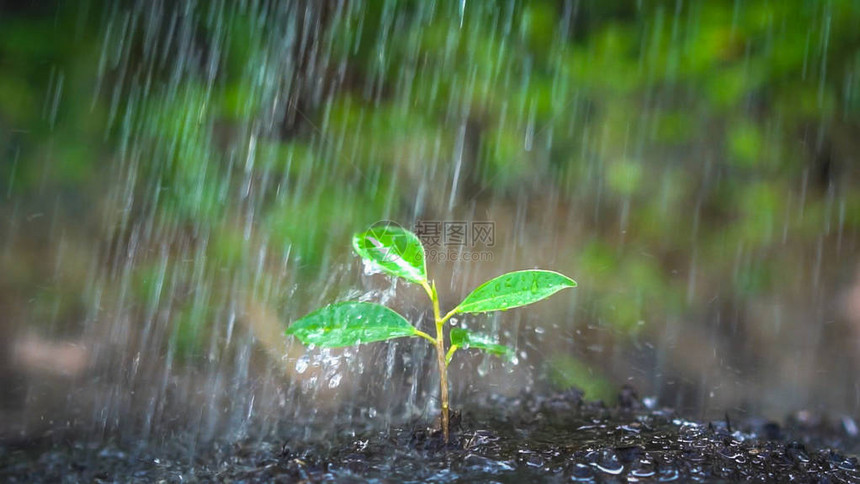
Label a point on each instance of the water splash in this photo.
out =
(188, 186)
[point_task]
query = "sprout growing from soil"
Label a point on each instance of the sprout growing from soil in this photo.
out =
(398, 252)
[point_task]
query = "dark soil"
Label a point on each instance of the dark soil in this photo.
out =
(527, 439)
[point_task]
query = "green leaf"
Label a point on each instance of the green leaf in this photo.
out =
(514, 289)
(467, 339)
(350, 323)
(393, 250)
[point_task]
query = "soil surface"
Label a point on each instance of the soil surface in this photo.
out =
(558, 438)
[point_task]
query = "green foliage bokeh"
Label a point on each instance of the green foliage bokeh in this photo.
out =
(703, 130)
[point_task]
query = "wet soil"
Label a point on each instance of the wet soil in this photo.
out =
(527, 439)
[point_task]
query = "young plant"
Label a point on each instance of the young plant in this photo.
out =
(398, 252)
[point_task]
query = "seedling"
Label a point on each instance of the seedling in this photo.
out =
(398, 252)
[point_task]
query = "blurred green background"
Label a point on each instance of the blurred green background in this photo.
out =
(167, 170)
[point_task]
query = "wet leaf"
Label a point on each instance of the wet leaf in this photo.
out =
(350, 323)
(393, 250)
(514, 289)
(467, 339)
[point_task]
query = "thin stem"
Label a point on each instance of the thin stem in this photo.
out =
(448, 316)
(443, 380)
(450, 355)
(440, 354)
(441, 358)
(428, 290)
(434, 296)
(426, 336)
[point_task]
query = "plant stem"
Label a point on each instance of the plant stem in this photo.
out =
(426, 336)
(440, 355)
(450, 355)
(443, 380)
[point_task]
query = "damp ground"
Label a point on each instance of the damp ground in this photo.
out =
(555, 438)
